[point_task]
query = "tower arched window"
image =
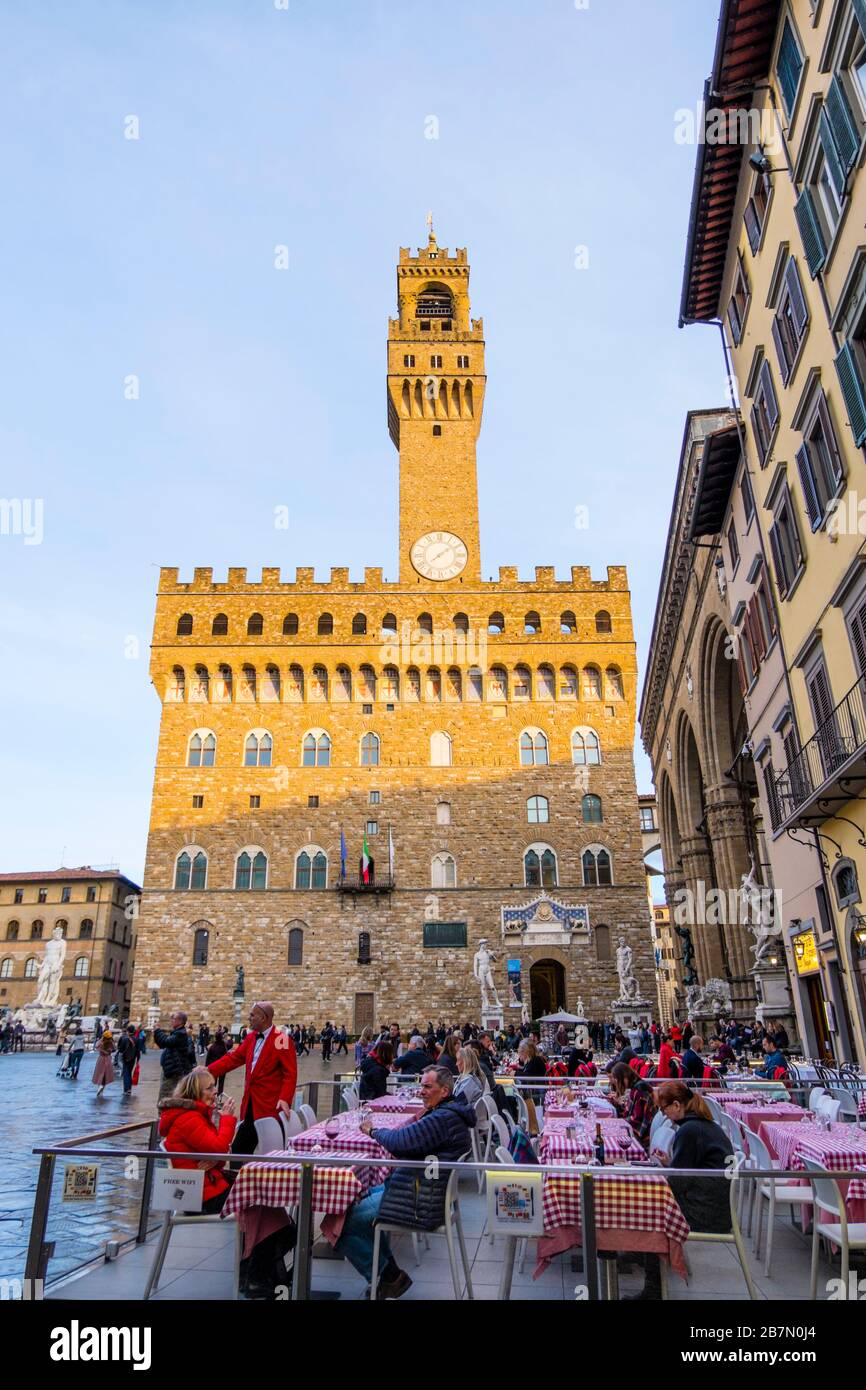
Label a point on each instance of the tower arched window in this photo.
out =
(453, 685)
(497, 683)
(31, 968)
(591, 809)
(325, 625)
(389, 627)
(567, 683)
(184, 625)
(613, 683)
(255, 625)
(296, 946)
(311, 868)
(370, 750)
(190, 870)
(247, 688)
(177, 685)
(440, 749)
(413, 684)
(603, 622)
(596, 867)
(533, 748)
(36, 930)
(317, 749)
(290, 625)
(200, 944)
(567, 622)
(251, 869)
(82, 968)
(295, 684)
(343, 684)
(366, 684)
(12, 931)
(433, 685)
(359, 625)
(443, 871)
(461, 622)
(495, 624)
(591, 683)
(531, 624)
(539, 867)
(545, 688)
(201, 750)
(200, 684)
(271, 683)
(6, 965)
(258, 749)
(425, 623)
(220, 625)
(390, 688)
(319, 683)
(585, 748)
(522, 687)
(538, 810)
(223, 683)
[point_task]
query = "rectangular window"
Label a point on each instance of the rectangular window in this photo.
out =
(765, 412)
(443, 813)
(764, 614)
(43, 895)
(747, 495)
(819, 463)
(463, 362)
(771, 793)
(372, 827)
(839, 134)
(739, 304)
(789, 68)
(255, 803)
(756, 209)
(19, 895)
(733, 548)
(436, 361)
(366, 709)
(312, 802)
(197, 802)
(91, 894)
(409, 360)
(65, 895)
(785, 544)
(791, 321)
(857, 634)
(445, 934)
(647, 818)
(375, 798)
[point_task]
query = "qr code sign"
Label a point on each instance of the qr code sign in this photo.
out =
(79, 1182)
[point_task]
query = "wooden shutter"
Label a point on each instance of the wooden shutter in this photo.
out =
(771, 792)
(759, 643)
(810, 231)
(809, 485)
(753, 226)
(840, 117)
(789, 67)
(820, 697)
(857, 628)
(860, 12)
(853, 391)
(830, 437)
(784, 365)
(798, 302)
(756, 431)
(741, 670)
(770, 395)
(734, 320)
(778, 560)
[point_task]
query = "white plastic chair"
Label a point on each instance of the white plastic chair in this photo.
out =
(775, 1193)
(293, 1124)
(733, 1237)
(816, 1095)
(171, 1220)
(828, 1109)
(848, 1109)
(480, 1137)
(452, 1220)
(848, 1235)
(308, 1115)
(351, 1099)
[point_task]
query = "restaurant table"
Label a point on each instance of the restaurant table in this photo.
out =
(555, 1104)
(778, 1111)
(556, 1143)
(842, 1147)
(855, 1198)
(342, 1134)
(394, 1105)
(633, 1211)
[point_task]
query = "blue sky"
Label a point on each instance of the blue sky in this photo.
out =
(154, 257)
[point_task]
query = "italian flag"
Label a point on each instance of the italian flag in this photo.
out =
(365, 860)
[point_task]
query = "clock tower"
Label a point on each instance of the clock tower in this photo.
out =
(436, 386)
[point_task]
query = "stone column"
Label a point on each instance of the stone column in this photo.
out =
(698, 876)
(728, 829)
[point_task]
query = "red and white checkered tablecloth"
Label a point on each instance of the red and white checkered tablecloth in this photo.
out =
(348, 1137)
(635, 1211)
(556, 1104)
(781, 1138)
(855, 1199)
(843, 1147)
(279, 1185)
(753, 1116)
(727, 1098)
(387, 1105)
(556, 1144)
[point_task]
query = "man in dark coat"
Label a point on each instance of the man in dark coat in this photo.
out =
(442, 1131)
(178, 1053)
(415, 1059)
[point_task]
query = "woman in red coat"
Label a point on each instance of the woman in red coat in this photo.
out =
(190, 1123)
(664, 1068)
(676, 1036)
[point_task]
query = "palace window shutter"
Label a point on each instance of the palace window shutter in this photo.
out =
(860, 12)
(857, 627)
(770, 395)
(771, 792)
(734, 321)
(810, 230)
(757, 627)
(741, 670)
(753, 226)
(809, 485)
(756, 431)
(820, 697)
(853, 390)
(830, 437)
(844, 129)
(789, 67)
(778, 560)
(784, 366)
(831, 153)
(798, 302)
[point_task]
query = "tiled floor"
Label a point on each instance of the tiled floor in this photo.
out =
(200, 1263)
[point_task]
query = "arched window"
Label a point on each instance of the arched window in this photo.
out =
(6, 968)
(591, 683)
(201, 749)
(596, 867)
(82, 968)
(845, 883)
(295, 685)
(425, 623)
(62, 924)
(567, 622)
(325, 625)
(474, 684)
(290, 625)
(317, 749)
(190, 870)
(413, 684)
(366, 684)
(390, 686)
(533, 748)
(296, 946)
(12, 931)
(567, 683)
(36, 929)
(613, 683)
(85, 931)
(255, 624)
(220, 625)
(319, 684)
(497, 683)
(522, 688)
(539, 867)
(359, 625)
(311, 868)
(495, 624)
(461, 622)
(443, 871)
(247, 687)
(343, 684)
(602, 621)
(177, 685)
(258, 749)
(184, 625)
(531, 624)
(585, 748)
(389, 627)
(271, 683)
(223, 684)
(201, 684)
(453, 685)
(591, 808)
(251, 869)
(370, 750)
(433, 685)
(443, 813)
(602, 942)
(545, 687)
(200, 943)
(440, 749)
(31, 968)
(538, 810)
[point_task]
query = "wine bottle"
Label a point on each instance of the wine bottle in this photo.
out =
(599, 1143)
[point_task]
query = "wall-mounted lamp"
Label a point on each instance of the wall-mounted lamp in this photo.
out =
(761, 164)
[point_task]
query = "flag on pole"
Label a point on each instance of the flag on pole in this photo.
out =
(365, 861)
(343, 855)
(390, 856)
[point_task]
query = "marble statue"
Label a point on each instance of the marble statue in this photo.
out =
(51, 970)
(709, 1000)
(581, 1011)
(628, 986)
(757, 912)
(482, 969)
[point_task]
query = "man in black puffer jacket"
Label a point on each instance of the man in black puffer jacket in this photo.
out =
(442, 1131)
(178, 1053)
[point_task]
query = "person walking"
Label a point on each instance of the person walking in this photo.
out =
(342, 1041)
(217, 1049)
(127, 1051)
(18, 1038)
(103, 1072)
(327, 1041)
(76, 1051)
(178, 1054)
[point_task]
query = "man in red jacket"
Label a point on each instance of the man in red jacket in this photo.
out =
(269, 1082)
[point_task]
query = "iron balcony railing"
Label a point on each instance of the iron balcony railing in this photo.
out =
(834, 744)
(354, 883)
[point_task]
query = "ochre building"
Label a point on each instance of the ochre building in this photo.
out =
(476, 735)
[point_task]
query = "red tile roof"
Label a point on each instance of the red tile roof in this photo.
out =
(64, 875)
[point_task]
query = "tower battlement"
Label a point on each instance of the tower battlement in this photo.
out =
(236, 582)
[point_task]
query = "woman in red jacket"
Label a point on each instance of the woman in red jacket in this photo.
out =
(190, 1123)
(665, 1068)
(676, 1036)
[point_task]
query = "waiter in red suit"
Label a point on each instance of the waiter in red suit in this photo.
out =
(269, 1082)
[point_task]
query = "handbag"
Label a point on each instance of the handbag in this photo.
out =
(136, 1074)
(412, 1200)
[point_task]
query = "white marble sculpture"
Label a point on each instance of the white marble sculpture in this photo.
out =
(757, 912)
(628, 986)
(51, 970)
(482, 969)
(709, 1000)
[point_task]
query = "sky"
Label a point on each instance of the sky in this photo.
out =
(165, 385)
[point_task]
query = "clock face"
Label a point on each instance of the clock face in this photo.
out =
(439, 555)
